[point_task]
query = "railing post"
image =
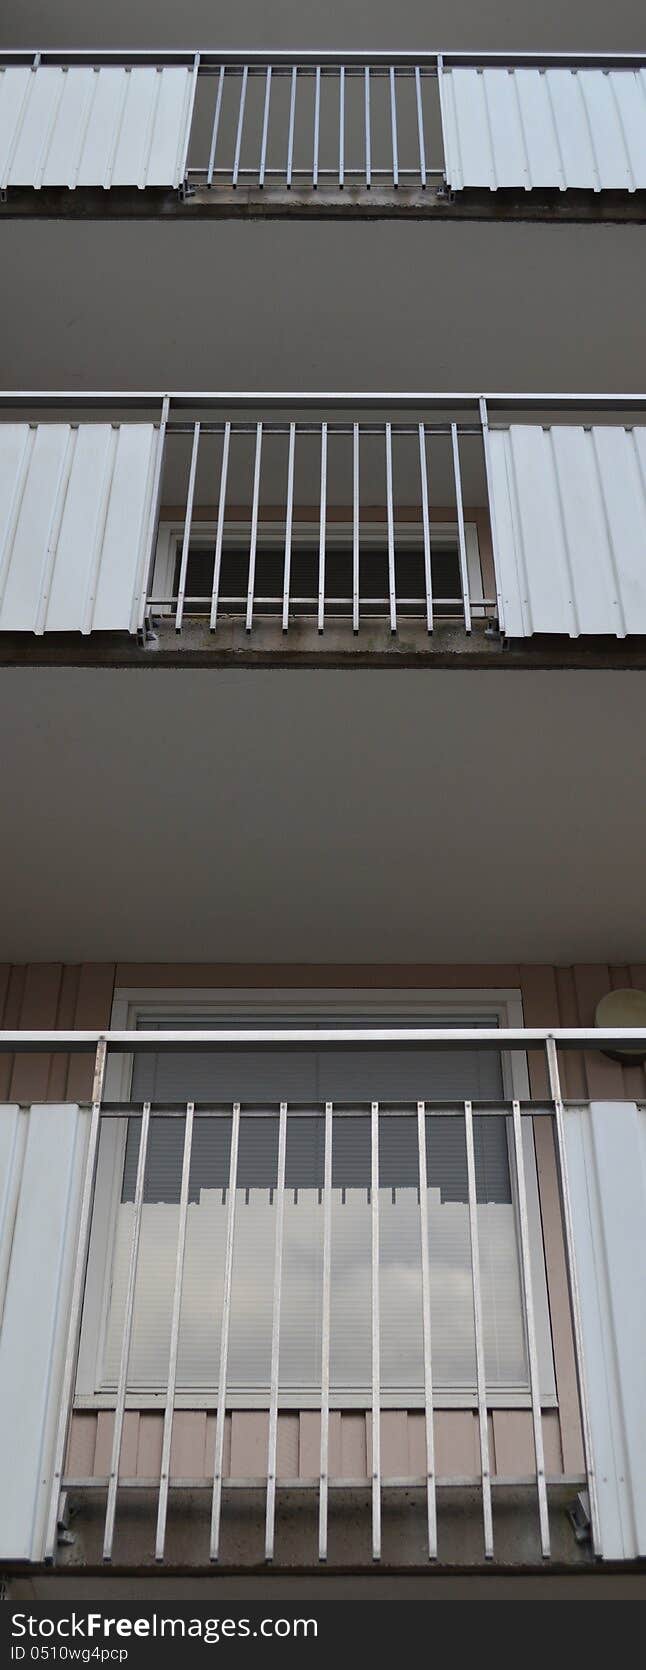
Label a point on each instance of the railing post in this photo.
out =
(484, 422)
(153, 520)
(478, 1331)
(575, 1301)
(76, 1304)
(324, 1469)
(124, 1364)
(272, 1445)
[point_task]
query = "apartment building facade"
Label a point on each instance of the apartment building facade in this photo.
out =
(323, 657)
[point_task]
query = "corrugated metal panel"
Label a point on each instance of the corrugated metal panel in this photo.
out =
(583, 129)
(41, 1205)
(569, 522)
(74, 511)
(606, 1151)
(81, 126)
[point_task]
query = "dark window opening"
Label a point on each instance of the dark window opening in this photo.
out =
(410, 581)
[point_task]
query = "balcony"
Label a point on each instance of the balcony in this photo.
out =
(347, 526)
(207, 132)
(400, 1330)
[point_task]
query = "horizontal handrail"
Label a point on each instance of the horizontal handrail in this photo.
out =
(212, 57)
(533, 1037)
(309, 400)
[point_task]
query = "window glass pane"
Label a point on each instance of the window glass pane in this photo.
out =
(301, 1308)
(311, 1077)
(253, 1254)
(201, 1314)
(402, 1361)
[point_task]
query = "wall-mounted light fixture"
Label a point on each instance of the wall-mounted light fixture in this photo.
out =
(625, 1007)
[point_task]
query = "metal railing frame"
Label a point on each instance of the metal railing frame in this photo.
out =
(203, 412)
(210, 58)
(362, 64)
(102, 1044)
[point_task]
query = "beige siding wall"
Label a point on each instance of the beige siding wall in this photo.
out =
(403, 1446)
(55, 995)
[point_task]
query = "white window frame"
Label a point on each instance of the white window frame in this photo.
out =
(131, 1008)
(272, 534)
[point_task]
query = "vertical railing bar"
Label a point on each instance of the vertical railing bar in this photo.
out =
(428, 578)
(216, 125)
(355, 527)
(150, 551)
(76, 1303)
(427, 1334)
(254, 528)
(322, 527)
(530, 1322)
(290, 137)
(393, 126)
(265, 128)
(444, 126)
(272, 1446)
(181, 588)
(288, 524)
(169, 1410)
(573, 1283)
(241, 107)
(341, 126)
(217, 563)
(484, 423)
(376, 1344)
(325, 1335)
(317, 119)
(464, 567)
(366, 97)
(478, 1331)
(392, 586)
(420, 126)
(117, 1434)
(220, 1419)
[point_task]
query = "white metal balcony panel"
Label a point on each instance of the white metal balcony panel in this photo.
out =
(75, 503)
(41, 1162)
(606, 1151)
(569, 519)
(567, 129)
(86, 126)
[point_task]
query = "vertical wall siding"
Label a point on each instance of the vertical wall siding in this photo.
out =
(403, 1444)
(57, 995)
(52, 995)
(558, 128)
(568, 506)
(89, 125)
(44, 1156)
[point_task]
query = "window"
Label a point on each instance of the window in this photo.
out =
(304, 570)
(306, 1080)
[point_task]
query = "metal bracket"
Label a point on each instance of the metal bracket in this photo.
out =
(146, 635)
(64, 1537)
(579, 1517)
(185, 190)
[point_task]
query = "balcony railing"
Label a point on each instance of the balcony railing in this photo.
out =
(359, 516)
(378, 1120)
(317, 126)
